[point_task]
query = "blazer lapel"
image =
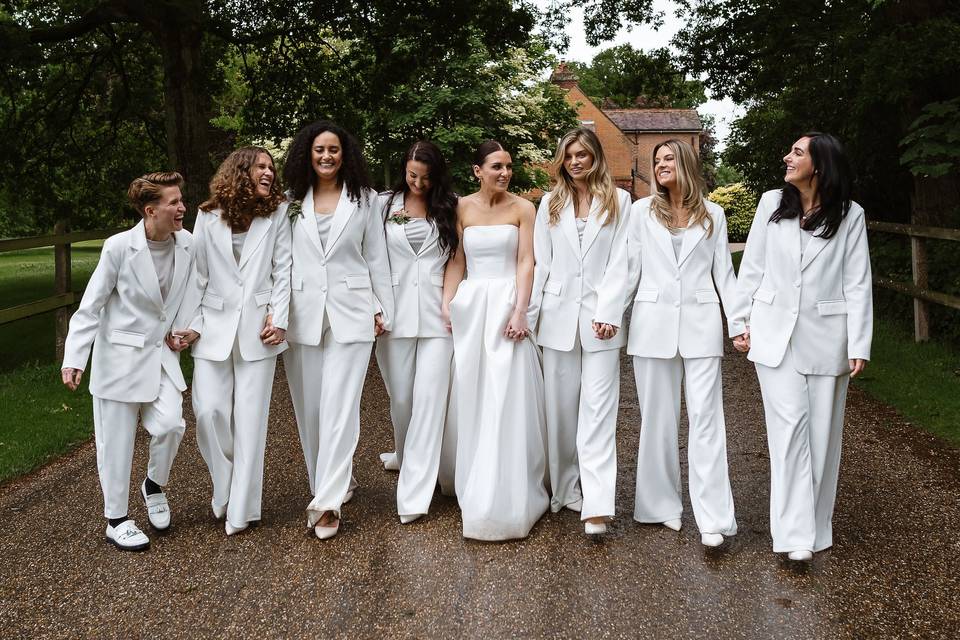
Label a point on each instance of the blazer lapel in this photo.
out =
(223, 240)
(593, 226)
(814, 247)
(568, 225)
(792, 230)
(432, 236)
(691, 238)
(255, 234)
(661, 236)
(181, 262)
(345, 208)
(309, 221)
(143, 266)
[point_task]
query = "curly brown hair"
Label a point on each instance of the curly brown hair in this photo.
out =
(233, 191)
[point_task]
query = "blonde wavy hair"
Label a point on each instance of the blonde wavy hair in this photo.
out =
(234, 193)
(690, 182)
(599, 181)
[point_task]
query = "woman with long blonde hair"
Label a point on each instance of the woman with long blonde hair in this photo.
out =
(680, 267)
(580, 244)
(242, 240)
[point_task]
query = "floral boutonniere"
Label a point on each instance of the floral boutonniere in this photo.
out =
(294, 211)
(399, 217)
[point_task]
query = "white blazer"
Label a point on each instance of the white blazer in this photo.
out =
(417, 278)
(676, 308)
(349, 280)
(576, 284)
(236, 298)
(123, 316)
(822, 302)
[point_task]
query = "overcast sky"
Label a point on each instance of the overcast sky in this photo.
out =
(646, 38)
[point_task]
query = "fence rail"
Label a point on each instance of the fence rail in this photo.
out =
(919, 288)
(64, 296)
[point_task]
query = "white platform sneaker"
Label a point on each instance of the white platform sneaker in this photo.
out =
(127, 536)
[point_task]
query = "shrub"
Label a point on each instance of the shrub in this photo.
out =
(740, 204)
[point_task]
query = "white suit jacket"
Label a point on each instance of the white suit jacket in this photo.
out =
(123, 316)
(417, 279)
(821, 303)
(676, 308)
(576, 284)
(349, 280)
(236, 298)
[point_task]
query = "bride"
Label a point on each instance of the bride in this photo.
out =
(498, 383)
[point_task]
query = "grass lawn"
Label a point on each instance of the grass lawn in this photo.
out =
(922, 381)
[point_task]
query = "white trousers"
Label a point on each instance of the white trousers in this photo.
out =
(326, 382)
(804, 415)
(582, 392)
(231, 401)
(115, 430)
(658, 497)
(416, 372)
(447, 476)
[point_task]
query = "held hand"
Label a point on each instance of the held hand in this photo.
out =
(445, 317)
(742, 342)
(271, 335)
(857, 366)
(604, 331)
(378, 329)
(180, 340)
(71, 377)
(517, 328)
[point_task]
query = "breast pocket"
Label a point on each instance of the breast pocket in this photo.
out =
(646, 294)
(127, 338)
(707, 296)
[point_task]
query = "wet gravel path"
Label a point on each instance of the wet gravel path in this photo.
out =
(892, 573)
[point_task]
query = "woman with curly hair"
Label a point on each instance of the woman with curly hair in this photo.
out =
(341, 299)
(242, 240)
(415, 357)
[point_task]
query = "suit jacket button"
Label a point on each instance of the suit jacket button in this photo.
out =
(414, 283)
(324, 289)
(159, 344)
(676, 304)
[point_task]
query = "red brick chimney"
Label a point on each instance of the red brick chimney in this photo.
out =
(563, 77)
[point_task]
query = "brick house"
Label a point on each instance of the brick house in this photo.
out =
(629, 135)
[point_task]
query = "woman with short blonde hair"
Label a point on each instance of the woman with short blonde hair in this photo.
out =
(580, 246)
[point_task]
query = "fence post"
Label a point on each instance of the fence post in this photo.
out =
(63, 283)
(921, 318)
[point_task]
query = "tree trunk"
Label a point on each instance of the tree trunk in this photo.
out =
(187, 109)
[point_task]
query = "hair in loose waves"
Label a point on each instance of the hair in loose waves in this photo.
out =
(234, 193)
(834, 188)
(298, 166)
(600, 183)
(690, 182)
(441, 200)
(147, 189)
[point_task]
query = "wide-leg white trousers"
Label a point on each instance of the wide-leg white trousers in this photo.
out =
(804, 415)
(115, 431)
(658, 497)
(582, 393)
(231, 401)
(416, 372)
(326, 382)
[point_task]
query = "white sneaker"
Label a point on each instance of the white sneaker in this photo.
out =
(389, 461)
(711, 539)
(158, 511)
(594, 529)
(803, 555)
(127, 536)
(674, 524)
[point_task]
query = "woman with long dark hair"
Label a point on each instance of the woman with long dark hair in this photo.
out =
(415, 357)
(498, 383)
(340, 299)
(242, 240)
(580, 244)
(681, 269)
(807, 268)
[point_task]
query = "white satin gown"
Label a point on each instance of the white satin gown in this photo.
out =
(498, 384)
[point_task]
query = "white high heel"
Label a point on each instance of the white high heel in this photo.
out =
(711, 539)
(674, 524)
(325, 532)
(390, 462)
(231, 530)
(408, 518)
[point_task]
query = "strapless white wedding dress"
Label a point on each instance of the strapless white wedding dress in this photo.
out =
(498, 385)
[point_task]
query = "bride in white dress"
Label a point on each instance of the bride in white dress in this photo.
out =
(498, 383)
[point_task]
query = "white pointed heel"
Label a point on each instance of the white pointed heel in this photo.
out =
(325, 532)
(389, 461)
(408, 518)
(219, 510)
(711, 539)
(803, 555)
(232, 530)
(674, 524)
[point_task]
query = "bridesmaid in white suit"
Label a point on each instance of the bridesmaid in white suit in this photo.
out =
(580, 246)
(498, 384)
(415, 356)
(679, 253)
(127, 313)
(341, 298)
(807, 268)
(242, 239)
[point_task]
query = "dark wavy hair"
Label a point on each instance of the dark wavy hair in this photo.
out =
(298, 168)
(233, 192)
(834, 187)
(486, 148)
(441, 200)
